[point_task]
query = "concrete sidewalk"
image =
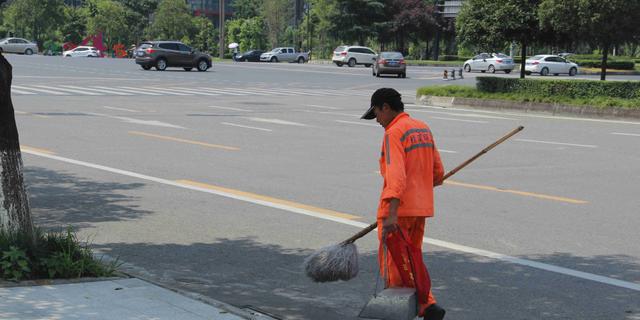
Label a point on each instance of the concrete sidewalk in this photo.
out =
(110, 299)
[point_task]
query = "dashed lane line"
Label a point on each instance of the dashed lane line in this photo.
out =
(320, 215)
(199, 143)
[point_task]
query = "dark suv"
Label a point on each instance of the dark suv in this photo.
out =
(163, 54)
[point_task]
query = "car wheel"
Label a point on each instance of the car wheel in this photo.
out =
(527, 73)
(404, 75)
(492, 69)
(352, 63)
(544, 71)
(187, 69)
(367, 65)
(573, 71)
(68, 56)
(161, 64)
(339, 64)
(301, 60)
(467, 68)
(202, 65)
(507, 71)
(274, 59)
(28, 52)
(146, 67)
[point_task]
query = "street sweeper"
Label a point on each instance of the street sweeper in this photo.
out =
(410, 165)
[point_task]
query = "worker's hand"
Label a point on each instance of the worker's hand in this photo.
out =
(389, 224)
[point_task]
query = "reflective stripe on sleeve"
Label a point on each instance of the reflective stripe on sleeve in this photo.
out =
(414, 130)
(419, 145)
(386, 146)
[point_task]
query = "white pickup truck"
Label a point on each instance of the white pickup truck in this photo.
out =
(287, 54)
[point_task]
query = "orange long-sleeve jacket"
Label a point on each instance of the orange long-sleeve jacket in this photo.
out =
(410, 165)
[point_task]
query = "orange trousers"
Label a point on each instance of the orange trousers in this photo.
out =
(414, 226)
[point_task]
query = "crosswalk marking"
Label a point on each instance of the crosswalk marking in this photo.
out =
(101, 90)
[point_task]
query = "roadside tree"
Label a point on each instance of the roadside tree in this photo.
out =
(246, 9)
(488, 25)
(138, 14)
(276, 14)
(205, 37)
(15, 213)
(109, 18)
(74, 27)
(172, 21)
(357, 20)
(604, 24)
(33, 19)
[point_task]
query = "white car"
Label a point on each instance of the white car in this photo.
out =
(550, 64)
(353, 55)
(82, 51)
(18, 45)
(490, 62)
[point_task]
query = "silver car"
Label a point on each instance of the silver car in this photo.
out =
(18, 45)
(545, 64)
(490, 62)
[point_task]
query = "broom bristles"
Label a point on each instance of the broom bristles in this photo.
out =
(333, 263)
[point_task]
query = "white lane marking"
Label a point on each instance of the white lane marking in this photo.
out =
(120, 109)
(273, 92)
(187, 91)
(626, 134)
(246, 127)
(359, 123)
(21, 92)
(321, 107)
(293, 92)
(56, 93)
(558, 143)
(82, 92)
(229, 108)
(435, 242)
(330, 112)
(128, 90)
(460, 120)
(277, 121)
(100, 90)
(221, 91)
(457, 114)
(248, 92)
(161, 92)
(138, 121)
(528, 115)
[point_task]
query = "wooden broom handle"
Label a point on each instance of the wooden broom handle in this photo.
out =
(372, 226)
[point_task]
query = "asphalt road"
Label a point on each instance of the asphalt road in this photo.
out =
(222, 182)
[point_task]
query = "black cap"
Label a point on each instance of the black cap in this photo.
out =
(378, 98)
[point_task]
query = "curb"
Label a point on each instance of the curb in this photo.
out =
(142, 274)
(554, 109)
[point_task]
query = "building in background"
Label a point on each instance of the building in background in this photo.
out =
(210, 9)
(450, 9)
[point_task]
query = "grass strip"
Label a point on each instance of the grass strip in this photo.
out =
(470, 92)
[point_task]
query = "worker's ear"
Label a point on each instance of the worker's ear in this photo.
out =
(386, 107)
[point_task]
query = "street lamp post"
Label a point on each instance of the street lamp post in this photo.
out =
(221, 20)
(307, 7)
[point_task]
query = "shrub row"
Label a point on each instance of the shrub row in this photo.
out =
(565, 88)
(615, 64)
(452, 58)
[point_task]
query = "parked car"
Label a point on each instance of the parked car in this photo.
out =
(490, 62)
(82, 51)
(251, 55)
(353, 55)
(390, 63)
(18, 45)
(163, 54)
(546, 64)
(286, 54)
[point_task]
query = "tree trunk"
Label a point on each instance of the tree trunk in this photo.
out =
(523, 57)
(603, 67)
(15, 213)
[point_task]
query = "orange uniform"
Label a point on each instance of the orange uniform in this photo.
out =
(410, 165)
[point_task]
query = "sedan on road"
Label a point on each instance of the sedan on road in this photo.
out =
(390, 63)
(550, 64)
(82, 51)
(18, 45)
(490, 62)
(251, 56)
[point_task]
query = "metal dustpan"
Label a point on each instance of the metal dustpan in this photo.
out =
(392, 304)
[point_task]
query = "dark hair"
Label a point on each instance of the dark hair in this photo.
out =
(389, 96)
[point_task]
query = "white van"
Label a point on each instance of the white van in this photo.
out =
(352, 55)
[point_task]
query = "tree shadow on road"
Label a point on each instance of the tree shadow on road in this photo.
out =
(245, 272)
(59, 199)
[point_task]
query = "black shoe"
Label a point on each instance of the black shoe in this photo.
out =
(434, 312)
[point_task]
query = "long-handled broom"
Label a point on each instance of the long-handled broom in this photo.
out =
(340, 261)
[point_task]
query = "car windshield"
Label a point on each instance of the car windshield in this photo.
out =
(145, 45)
(275, 50)
(536, 58)
(3, 39)
(391, 55)
(500, 55)
(340, 49)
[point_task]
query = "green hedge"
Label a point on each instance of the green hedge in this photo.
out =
(611, 64)
(452, 58)
(565, 88)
